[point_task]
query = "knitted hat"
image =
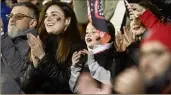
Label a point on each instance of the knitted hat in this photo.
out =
(161, 34)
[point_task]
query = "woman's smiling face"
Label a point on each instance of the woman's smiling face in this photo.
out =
(54, 20)
(136, 26)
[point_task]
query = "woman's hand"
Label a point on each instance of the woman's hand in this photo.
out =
(136, 9)
(34, 59)
(122, 41)
(36, 46)
(119, 42)
(128, 36)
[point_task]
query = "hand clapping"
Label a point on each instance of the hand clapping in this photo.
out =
(122, 41)
(37, 51)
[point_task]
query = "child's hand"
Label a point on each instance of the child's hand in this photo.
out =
(75, 58)
(84, 51)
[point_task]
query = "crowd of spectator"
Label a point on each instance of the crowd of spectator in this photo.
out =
(53, 47)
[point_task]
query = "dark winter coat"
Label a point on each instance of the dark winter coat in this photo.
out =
(50, 76)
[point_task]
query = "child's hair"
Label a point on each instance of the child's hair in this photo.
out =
(111, 30)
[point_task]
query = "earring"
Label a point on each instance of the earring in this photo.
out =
(66, 27)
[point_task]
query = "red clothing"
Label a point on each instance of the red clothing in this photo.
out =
(158, 31)
(151, 21)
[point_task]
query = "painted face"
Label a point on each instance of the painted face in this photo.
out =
(92, 37)
(55, 21)
(19, 21)
(136, 25)
(155, 60)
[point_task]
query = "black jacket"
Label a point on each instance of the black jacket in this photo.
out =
(50, 77)
(134, 51)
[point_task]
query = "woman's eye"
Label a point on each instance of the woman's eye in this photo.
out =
(54, 15)
(46, 15)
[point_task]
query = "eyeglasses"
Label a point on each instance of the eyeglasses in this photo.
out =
(18, 16)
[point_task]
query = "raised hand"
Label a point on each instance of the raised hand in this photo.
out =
(119, 42)
(36, 46)
(34, 59)
(76, 57)
(138, 9)
(128, 36)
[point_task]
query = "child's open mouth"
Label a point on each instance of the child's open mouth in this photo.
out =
(88, 40)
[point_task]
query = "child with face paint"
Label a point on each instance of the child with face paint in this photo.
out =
(103, 63)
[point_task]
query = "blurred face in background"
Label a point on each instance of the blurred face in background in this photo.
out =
(136, 26)
(32, 1)
(55, 21)
(19, 21)
(92, 37)
(23, 0)
(155, 60)
(66, 1)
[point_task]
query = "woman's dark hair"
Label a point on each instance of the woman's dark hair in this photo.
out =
(111, 30)
(65, 38)
(152, 7)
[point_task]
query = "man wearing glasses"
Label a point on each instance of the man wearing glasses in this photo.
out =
(14, 47)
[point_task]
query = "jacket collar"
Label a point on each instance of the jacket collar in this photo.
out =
(100, 48)
(24, 33)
